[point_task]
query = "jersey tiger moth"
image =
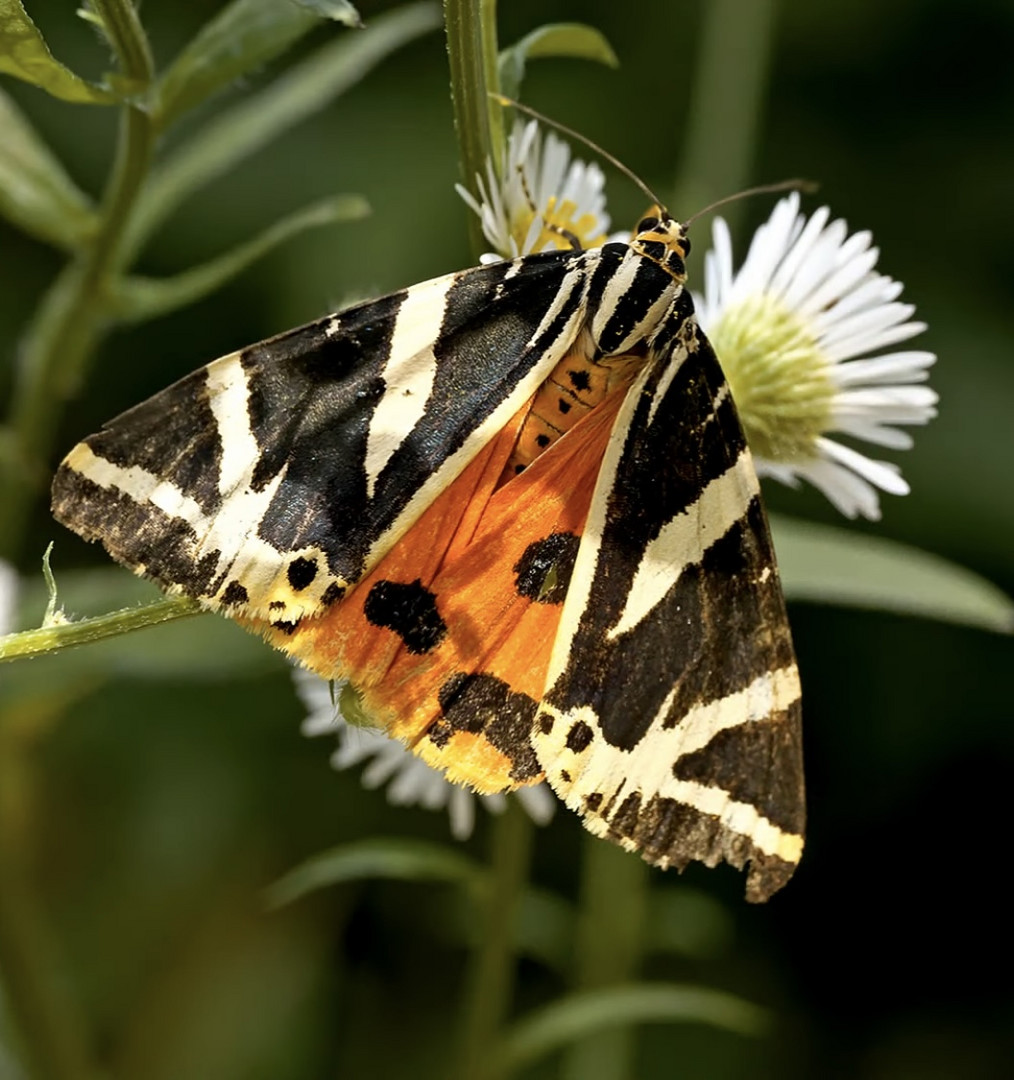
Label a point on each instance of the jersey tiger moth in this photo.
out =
(515, 507)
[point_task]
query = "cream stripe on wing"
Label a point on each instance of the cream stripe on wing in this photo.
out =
(454, 463)
(138, 484)
(229, 396)
(591, 539)
(770, 693)
(684, 539)
(409, 374)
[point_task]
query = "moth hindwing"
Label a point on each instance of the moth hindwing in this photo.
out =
(515, 508)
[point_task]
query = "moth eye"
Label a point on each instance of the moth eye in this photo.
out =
(646, 223)
(684, 243)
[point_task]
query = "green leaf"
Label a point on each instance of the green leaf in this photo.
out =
(339, 10)
(579, 1015)
(36, 194)
(242, 36)
(393, 858)
(140, 298)
(240, 131)
(25, 55)
(829, 565)
(554, 39)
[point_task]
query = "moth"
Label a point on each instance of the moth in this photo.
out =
(515, 507)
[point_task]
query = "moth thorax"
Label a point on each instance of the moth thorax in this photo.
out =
(663, 240)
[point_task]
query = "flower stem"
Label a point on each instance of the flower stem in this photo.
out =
(47, 639)
(74, 313)
(54, 356)
(718, 151)
(471, 53)
(608, 948)
(489, 980)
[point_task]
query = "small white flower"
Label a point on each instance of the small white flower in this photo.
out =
(542, 198)
(794, 329)
(410, 781)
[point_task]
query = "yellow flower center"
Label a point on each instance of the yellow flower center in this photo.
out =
(778, 377)
(558, 225)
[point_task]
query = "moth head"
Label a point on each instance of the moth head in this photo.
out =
(662, 239)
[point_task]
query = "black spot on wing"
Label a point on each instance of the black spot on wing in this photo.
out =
(301, 573)
(543, 572)
(579, 379)
(580, 737)
(235, 593)
(410, 611)
(483, 704)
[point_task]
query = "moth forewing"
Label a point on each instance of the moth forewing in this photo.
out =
(670, 718)
(402, 495)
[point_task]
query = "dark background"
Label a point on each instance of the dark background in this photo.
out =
(157, 809)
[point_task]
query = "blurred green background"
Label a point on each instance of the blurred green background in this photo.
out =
(155, 801)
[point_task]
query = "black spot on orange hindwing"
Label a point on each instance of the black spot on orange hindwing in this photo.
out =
(410, 610)
(543, 571)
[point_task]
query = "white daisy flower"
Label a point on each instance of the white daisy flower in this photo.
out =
(794, 330)
(410, 781)
(542, 199)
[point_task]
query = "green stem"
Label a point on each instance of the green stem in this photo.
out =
(47, 639)
(74, 313)
(55, 353)
(608, 949)
(489, 981)
(471, 53)
(718, 152)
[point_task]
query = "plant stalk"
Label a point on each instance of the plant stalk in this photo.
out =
(489, 980)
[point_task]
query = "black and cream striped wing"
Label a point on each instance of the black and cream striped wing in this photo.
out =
(273, 478)
(671, 719)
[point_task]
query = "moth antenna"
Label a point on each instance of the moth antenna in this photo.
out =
(571, 133)
(806, 186)
(567, 235)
